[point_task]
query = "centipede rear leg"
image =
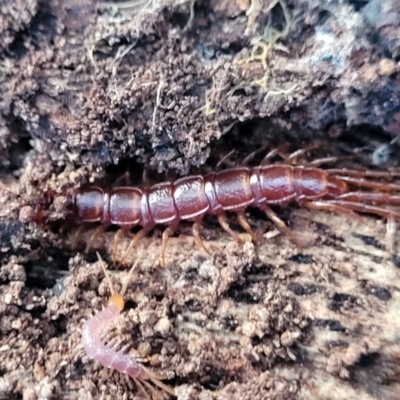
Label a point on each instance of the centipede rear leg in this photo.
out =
(367, 208)
(328, 205)
(348, 207)
(361, 182)
(373, 197)
(363, 173)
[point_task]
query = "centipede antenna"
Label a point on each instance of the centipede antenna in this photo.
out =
(102, 263)
(130, 274)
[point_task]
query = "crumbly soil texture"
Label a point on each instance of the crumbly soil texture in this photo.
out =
(98, 93)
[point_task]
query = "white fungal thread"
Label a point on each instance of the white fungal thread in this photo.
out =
(108, 355)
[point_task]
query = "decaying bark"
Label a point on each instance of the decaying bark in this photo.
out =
(88, 90)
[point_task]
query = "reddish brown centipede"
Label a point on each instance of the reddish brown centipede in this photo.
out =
(192, 197)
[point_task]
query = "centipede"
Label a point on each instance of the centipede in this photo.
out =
(109, 354)
(191, 198)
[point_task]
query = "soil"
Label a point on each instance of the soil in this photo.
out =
(89, 91)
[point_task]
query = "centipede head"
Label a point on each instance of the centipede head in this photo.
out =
(117, 299)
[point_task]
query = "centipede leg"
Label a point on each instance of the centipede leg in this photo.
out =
(124, 179)
(350, 206)
(328, 205)
(273, 153)
(361, 182)
(161, 385)
(325, 160)
(154, 394)
(145, 177)
(117, 239)
(97, 232)
(135, 240)
(363, 173)
(141, 388)
(76, 237)
(253, 154)
(224, 159)
(156, 379)
(196, 233)
(291, 158)
(165, 236)
(374, 197)
(225, 225)
(281, 225)
(244, 223)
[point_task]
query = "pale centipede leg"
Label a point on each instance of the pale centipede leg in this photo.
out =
(244, 223)
(196, 233)
(157, 380)
(117, 238)
(135, 240)
(98, 231)
(141, 388)
(281, 225)
(225, 225)
(166, 234)
(164, 387)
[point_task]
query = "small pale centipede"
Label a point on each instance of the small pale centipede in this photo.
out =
(107, 354)
(192, 197)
